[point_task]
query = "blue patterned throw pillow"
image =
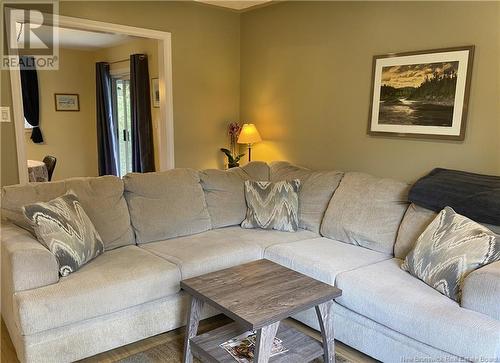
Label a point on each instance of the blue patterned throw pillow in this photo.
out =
(450, 248)
(65, 229)
(272, 205)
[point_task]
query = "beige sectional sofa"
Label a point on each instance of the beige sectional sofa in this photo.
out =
(159, 228)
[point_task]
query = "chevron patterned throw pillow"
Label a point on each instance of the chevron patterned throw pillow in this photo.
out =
(450, 248)
(65, 229)
(272, 205)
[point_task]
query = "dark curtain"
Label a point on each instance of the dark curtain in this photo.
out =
(107, 143)
(142, 128)
(31, 108)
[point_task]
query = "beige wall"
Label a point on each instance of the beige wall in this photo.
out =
(123, 51)
(306, 78)
(206, 74)
(8, 158)
(205, 50)
(69, 136)
(72, 136)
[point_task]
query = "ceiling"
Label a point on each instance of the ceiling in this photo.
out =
(79, 39)
(235, 4)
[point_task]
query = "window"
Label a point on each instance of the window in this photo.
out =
(27, 126)
(121, 112)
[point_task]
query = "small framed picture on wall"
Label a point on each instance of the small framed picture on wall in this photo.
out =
(67, 102)
(155, 92)
(421, 94)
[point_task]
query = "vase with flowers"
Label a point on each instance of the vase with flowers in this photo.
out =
(233, 155)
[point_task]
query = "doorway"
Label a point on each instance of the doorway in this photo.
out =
(165, 121)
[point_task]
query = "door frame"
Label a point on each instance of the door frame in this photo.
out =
(166, 124)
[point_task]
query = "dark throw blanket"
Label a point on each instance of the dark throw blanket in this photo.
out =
(475, 196)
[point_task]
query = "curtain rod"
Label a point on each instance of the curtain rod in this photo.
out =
(120, 61)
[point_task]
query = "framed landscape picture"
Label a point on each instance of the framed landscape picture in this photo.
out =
(421, 94)
(67, 102)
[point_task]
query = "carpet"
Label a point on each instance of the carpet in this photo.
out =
(172, 352)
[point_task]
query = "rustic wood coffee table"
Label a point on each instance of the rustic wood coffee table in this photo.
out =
(257, 296)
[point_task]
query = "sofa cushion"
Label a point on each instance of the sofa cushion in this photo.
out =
(266, 237)
(220, 248)
(225, 194)
(392, 297)
(166, 204)
(316, 190)
(322, 258)
(114, 281)
(481, 290)
(415, 221)
(256, 170)
(272, 205)
(101, 197)
(26, 263)
(366, 211)
(450, 248)
(65, 229)
(199, 254)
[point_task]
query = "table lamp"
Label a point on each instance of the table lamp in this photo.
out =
(249, 135)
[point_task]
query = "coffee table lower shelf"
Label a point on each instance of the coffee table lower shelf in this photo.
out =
(301, 347)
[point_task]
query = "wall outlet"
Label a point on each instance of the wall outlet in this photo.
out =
(5, 114)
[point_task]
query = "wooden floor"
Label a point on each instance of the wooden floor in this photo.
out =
(9, 354)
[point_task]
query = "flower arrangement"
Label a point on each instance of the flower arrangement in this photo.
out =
(233, 157)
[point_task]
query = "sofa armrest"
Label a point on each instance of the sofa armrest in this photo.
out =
(481, 290)
(26, 264)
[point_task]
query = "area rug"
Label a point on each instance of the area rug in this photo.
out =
(172, 353)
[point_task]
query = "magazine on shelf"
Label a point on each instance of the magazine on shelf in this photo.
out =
(242, 347)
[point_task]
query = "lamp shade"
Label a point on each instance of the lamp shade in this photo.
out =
(249, 134)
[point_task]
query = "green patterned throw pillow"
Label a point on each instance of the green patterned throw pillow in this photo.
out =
(64, 228)
(272, 205)
(450, 248)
